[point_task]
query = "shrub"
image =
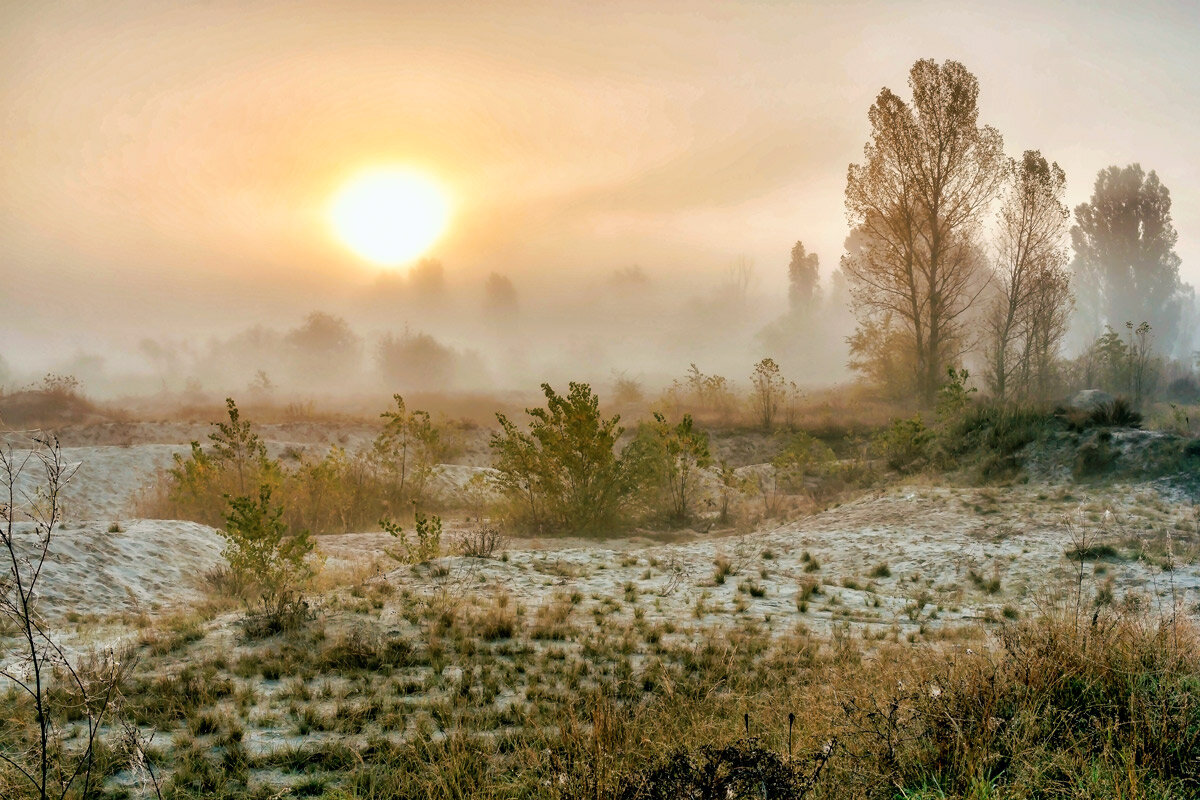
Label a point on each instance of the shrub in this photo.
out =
(267, 558)
(769, 390)
(669, 459)
(197, 487)
(802, 456)
(407, 450)
(564, 473)
(905, 444)
(427, 542)
(331, 493)
(481, 542)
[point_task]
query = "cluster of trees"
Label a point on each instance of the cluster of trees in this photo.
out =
(324, 351)
(958, 252)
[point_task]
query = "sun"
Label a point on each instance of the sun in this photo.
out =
(390, 216)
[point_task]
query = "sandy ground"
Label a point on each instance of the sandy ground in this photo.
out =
(143, 566)
(955, 556)
(942, 546)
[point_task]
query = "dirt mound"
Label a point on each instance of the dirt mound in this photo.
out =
(144, 566)
(43, 408)
(1127, 453)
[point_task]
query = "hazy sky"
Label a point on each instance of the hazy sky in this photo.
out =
(174, 161)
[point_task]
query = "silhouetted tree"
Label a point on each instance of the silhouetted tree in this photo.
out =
(427, 279)
(739, 277)
(803, 275)
(499, 296)
(416, 361)
(1125, 263)
(324, 347)
(929, 172)
(769, 389)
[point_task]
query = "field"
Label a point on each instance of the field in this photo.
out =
(575, 666)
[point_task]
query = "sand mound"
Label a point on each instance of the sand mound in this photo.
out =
(106, 478)
(149, 565)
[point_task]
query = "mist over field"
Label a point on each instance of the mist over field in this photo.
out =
(599, 401)
(166, 192)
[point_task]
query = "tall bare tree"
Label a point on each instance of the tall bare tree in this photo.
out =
(1026, 314)
(928, 174)
(1049, 317)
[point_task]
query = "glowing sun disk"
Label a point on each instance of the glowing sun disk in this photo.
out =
(390, 216)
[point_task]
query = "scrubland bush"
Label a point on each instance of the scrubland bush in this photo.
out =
(481, 542)
(332, 493)
(769, 392)
(669, 459)
(271, 562)
(905, 444)
(407, 451)
(564, 473)
(710, 398)
(802, 457)
(426, 543)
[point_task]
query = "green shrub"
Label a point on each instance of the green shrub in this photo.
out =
(426, 544)
(564, 474)
(407, 451)
(802, 456)
(267, 558)
(331, 493)
(668, 460)
(905, 444)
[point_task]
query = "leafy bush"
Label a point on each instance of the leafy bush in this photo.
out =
(198, 486)
(427, 542)
(769, 390)
(739, 771)
(564, 474)
(802, 456)
(669, 460)
(407, 451)
(263, 555)
(905, 444)
(331, 493)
